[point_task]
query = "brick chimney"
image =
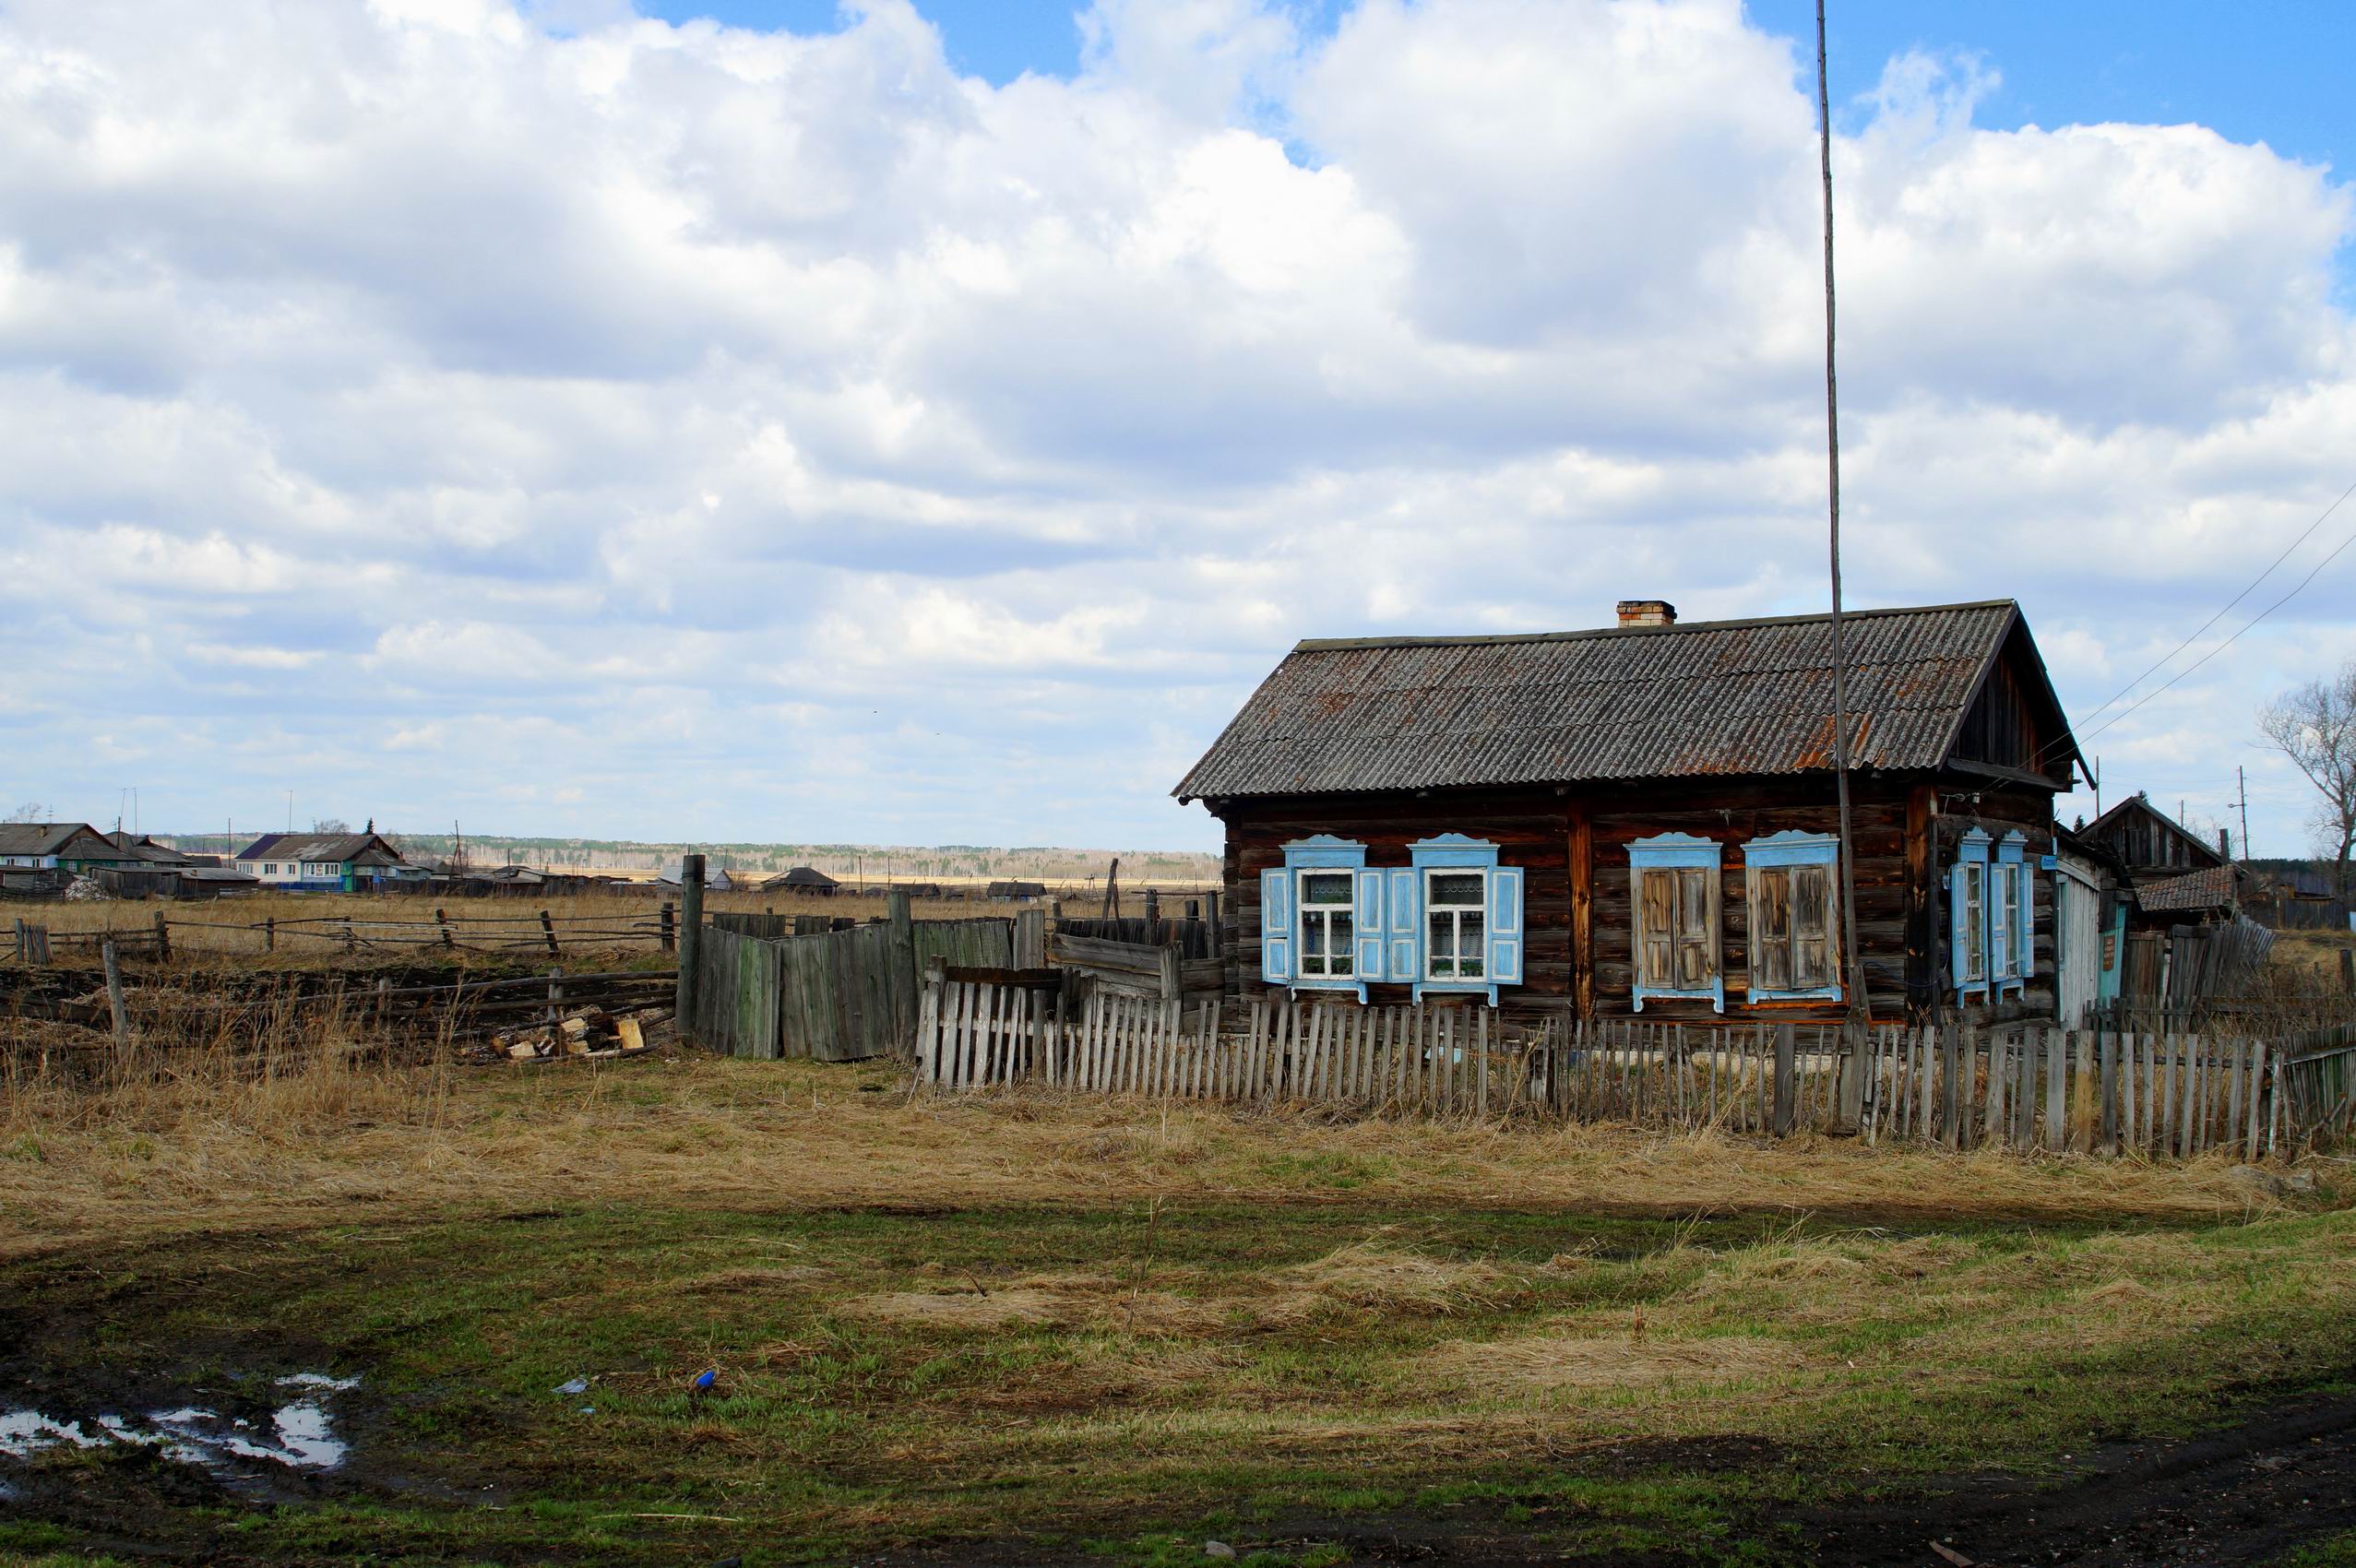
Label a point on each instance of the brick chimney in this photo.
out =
(1648, 612)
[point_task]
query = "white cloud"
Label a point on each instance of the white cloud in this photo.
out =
(910, 457)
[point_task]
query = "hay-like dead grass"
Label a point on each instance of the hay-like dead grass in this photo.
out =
(965, 1311)
(320, 1137)
(1556, 1363)
(751, 1281)
(1373, 1274)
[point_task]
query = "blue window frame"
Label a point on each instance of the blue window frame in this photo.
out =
(1791, 890)
(1321, 918)
(2012, 914)
(1991, 917)
(1449, 922)
(1457, 916)
(1673, 894)
(1967, 965)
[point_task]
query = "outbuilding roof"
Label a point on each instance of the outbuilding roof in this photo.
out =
(2211, 887)
(1627, 702)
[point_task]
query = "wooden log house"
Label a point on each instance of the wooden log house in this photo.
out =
(1640, 820)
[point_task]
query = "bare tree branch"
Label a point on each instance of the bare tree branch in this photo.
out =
(2314, 726)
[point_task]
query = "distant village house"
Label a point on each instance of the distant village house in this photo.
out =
(325, 862)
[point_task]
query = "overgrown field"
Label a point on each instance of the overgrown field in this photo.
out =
(310, 925)
(1020, 1329)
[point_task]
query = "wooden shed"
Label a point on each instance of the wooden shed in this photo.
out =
(1641, 818)
(2153, 846)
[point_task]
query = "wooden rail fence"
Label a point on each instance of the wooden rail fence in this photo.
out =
(2018, 1088)
(540, 931)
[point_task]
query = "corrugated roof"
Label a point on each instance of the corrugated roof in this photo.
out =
(1634, 702)
(2211, 887)
(53, 837)
(321, 848)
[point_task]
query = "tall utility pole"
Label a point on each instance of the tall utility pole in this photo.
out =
(2242, 781)
(1858, 1011)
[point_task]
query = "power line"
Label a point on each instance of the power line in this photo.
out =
(2237, 599)
(2229, 642)
(2304, 535)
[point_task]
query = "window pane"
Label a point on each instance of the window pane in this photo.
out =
(1457, 889)
(1340, 938)
(1312, 936)
(1325, 887)
(1443, 938)
(1471, 931)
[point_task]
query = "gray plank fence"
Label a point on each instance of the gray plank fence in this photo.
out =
(2018, 1088)
(833, 996)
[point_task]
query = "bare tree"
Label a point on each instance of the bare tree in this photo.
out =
(31, 810)
(330, 825)
(2314, 726)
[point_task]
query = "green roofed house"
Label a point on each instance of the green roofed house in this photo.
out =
(73, 846)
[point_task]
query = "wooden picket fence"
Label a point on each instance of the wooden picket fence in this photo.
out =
(2019, 1088)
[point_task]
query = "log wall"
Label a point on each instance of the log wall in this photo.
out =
(1573, 847)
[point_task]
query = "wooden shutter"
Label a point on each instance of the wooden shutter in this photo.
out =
(2024, 929)
(1974, 922)
(1772, 893)
(1697, 954)
(1505, 935)
(1812, 925)
(1999, 883)
(1275, 926)
(1368, 922)
(1656, 926)
(1406, 932)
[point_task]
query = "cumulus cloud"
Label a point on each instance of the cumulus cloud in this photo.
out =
(425, 399)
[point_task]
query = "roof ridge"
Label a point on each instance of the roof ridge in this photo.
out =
(1320, 645)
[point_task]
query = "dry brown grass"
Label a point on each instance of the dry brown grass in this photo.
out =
(303, 1126)
(1546, 1363)
(309, 928)
(1368, 1274)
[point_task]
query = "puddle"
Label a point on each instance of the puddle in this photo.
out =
(299, 1433)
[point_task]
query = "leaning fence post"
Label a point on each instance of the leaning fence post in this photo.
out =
(903, 983)
(114, 995)
(1849, 1077)
(1784, 1067)
(269, 934)
(548, 930)
(664, 926)
(691, 940)
(1169, 960)
(162, 936)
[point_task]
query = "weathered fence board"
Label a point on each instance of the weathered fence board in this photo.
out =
(2032, 1088)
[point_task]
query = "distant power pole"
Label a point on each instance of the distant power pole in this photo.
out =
(2242, 779)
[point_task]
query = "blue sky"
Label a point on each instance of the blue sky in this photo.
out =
(2234, 68)
(911, 424)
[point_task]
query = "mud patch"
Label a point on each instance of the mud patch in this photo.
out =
(299, 1433)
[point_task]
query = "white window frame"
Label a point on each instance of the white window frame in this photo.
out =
(1301, 911)
(1479, 908)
